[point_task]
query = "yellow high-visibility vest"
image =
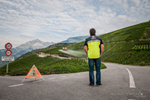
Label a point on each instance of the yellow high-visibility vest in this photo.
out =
(93, 49)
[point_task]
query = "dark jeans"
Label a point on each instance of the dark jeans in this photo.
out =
(91, 71)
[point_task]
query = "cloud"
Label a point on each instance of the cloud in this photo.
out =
(57, 20)
(136, 2)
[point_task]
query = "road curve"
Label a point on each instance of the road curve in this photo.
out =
(115, 80)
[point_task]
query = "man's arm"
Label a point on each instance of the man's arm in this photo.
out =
(102, 48)
(85, 49)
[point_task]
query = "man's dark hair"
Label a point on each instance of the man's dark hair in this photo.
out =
(92, 31)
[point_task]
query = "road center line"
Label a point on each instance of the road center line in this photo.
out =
(131, 79)
(16, 85)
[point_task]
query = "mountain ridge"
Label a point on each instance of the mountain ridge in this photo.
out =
(75, 39)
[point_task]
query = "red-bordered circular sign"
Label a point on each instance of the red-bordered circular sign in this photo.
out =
(8, 52)
(8, 46)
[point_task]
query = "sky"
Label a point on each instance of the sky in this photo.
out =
(57, 20)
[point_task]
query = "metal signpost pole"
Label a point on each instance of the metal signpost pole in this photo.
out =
(7, 66)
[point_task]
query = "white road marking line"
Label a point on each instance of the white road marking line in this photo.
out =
(16, 85)
(132, 83)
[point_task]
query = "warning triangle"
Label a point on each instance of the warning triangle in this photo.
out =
(33, 73)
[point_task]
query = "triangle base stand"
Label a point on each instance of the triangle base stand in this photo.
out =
(34, 78)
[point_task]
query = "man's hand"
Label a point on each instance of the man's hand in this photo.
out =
(102, 48)
(85, 49)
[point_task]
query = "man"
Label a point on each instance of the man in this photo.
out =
(94, 48)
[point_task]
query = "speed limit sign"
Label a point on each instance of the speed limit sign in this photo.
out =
(8, 46)
(8, 52)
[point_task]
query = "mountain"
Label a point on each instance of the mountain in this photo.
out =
(35, 44)
(24, 48)
(75, 39)
(130, 45)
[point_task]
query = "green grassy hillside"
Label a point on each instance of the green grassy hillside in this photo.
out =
(46, 65)
(130, 45)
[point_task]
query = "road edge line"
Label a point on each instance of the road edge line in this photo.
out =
(131, 79)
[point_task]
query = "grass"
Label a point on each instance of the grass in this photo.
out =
(76, 46)
(129, 33)
(46, 65)
(119, 45)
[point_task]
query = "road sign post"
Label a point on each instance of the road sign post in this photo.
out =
(7, 66)
(8, 52)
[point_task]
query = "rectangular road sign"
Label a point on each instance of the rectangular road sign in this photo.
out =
(6, 58)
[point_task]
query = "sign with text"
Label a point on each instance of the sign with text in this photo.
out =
(6, 58)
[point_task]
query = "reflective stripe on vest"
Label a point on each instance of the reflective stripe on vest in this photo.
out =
(93, 49)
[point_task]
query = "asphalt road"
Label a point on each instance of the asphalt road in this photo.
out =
(120, 82)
